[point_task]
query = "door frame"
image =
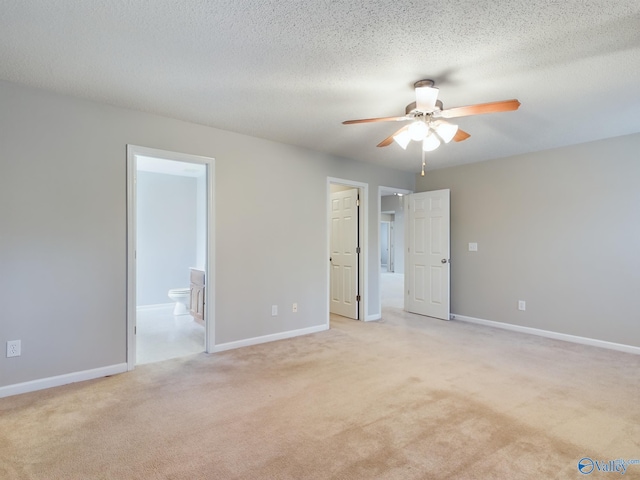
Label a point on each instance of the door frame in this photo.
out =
(384, 191)
(209, 321)
(363, 190)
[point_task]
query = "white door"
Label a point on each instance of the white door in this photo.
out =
(427, 269)
(343, 255)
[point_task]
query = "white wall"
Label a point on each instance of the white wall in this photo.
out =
(63, 229)
(559, 229)
(167, 231)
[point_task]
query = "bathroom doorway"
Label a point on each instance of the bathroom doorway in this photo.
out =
(169, 245)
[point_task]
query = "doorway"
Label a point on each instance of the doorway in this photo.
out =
(346, 247)
(169, 242)
(391, 217)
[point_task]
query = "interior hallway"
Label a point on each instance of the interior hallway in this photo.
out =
(392, 290)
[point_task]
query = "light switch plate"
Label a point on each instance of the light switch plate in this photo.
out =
(473, 247)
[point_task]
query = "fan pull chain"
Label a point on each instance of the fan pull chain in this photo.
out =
(423, 164)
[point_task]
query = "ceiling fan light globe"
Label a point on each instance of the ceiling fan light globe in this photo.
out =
(402, 139)
(430, 143)
(445, 130)
(426, 98)
(418, 131)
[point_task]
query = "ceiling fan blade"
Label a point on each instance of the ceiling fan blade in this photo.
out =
(372, 120)
(492, 107)
(460, 136)
(389, 140)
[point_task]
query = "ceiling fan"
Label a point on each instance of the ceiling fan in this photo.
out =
(427, 116)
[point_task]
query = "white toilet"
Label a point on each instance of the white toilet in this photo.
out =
(182, 298)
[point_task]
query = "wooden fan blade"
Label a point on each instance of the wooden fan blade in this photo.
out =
(460, 136)
(371, 120)
(492, 107)
(389, 140)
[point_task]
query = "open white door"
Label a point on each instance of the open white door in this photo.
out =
(427, 267)
(344, 253)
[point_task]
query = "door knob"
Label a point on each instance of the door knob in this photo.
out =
(444, 260)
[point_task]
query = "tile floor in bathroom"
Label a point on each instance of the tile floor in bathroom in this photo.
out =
(161, 335)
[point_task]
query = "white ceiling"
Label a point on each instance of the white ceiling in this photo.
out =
(293, 70)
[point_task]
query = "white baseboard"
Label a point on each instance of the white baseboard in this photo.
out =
(60, 380)
(269, 338)
(549, 334)
(373, 318)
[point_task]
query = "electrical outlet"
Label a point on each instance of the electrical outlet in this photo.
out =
(294, 308)
(13, 348)
(274, 310)
(522, 305)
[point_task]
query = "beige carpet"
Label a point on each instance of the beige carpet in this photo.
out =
(405, 398)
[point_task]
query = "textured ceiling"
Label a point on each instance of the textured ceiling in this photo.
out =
(292, 71)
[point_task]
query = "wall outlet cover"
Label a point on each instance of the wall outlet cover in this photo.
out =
(13, 348)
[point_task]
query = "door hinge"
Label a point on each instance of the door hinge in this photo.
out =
(357, 249)
(135, 329)
(358, 202)
(358, 298)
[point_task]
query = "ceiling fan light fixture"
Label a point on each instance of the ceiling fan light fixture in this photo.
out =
(430, 142)
(426, 95)
(418, 130)
(445, 130)
(403, 138)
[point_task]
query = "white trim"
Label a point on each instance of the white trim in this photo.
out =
(269, 338)
(132, 152)
(60, 380)
(549, 334)
(363, 312)
(131, 257)
(373, 318)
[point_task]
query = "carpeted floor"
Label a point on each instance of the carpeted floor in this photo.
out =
(407, 397)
